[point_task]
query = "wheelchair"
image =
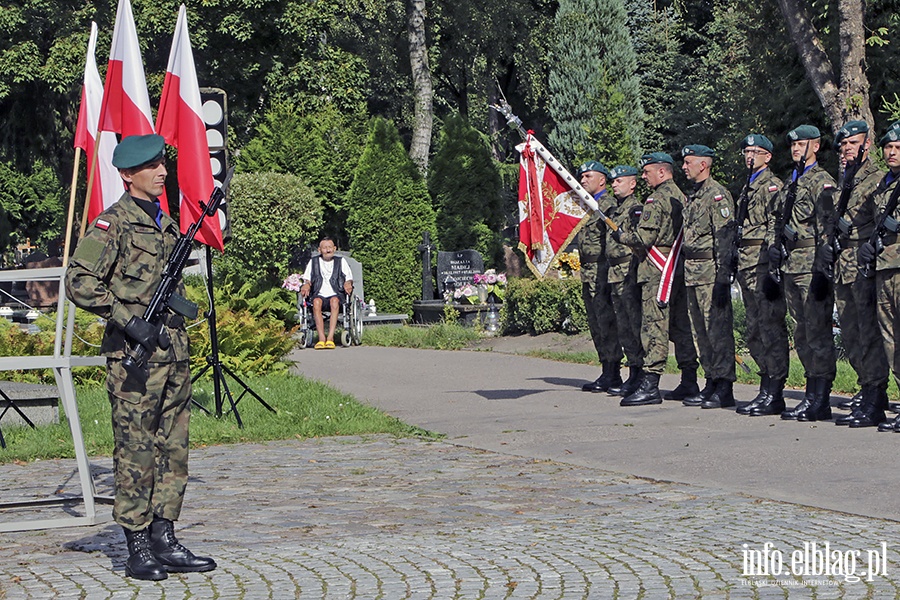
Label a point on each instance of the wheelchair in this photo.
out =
(350, 320)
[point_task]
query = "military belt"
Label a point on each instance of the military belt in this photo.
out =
(752, 243)
(807, 243)
(619, 261)
(852, 243)
(699, 255)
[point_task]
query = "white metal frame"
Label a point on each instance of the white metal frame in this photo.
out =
(61, 362)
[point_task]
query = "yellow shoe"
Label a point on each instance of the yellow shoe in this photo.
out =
(329, 345)
(320, 346)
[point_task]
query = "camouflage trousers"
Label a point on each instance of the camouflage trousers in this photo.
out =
(626, 301)
(680, 327)
(596, 292)
(766, 334)
(813, 335)
(151, 443)
(713, 328)
(857, 313)
(888, 287)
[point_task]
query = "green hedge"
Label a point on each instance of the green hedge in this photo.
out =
(538, 306)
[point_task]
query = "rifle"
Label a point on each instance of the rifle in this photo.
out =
(784, 232)
(743, 210)
(886, 223)
(135, 361)
(841, 226)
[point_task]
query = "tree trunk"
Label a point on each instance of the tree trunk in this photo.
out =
(845, 99)
(423, 118)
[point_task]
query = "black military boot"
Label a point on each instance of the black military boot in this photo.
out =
(141, 563)
(891, 425)
(173, 556)
(702, 395)
(791, 415)
(871, 411)
(774, 402)
(722, 397)
(630, 385)
(647, 392)
(609, 376)
(820, 408)
(686, 388)
(853, 403)
(761, 397)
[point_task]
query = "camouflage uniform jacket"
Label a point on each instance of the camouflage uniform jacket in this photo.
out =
(811, 218)
(890, 257)
(626, 215)
(708, 234)
(859, 218)
(762, 196)
(592, 237)
(659, 225)
(116, 269)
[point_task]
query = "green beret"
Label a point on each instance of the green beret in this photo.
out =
(137, 150)
(757, 139)
(891, 135)
(804, 132)
(656, 157)
(592, 165)
(623, 171)
(698, 150)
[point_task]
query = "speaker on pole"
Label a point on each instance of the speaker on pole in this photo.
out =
(214, 108)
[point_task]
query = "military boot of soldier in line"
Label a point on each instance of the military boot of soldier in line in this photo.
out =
(820, 407)
(871, 410)
(609, 377)
(141, 563)
(722, 397)
(701, 396)
(853, 403)
(687, 387)
(172, 555)
(761, 396)
(630, 385)
(791, 415)
(647, 392)
(774, 402)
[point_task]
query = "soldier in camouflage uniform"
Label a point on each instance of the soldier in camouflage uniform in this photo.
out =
(595, 288)
(854, 293)
(626, 294)
(114, 273)
(886, 266)
(766, 332)
(659, 225)
(805, 230)
(709, 231)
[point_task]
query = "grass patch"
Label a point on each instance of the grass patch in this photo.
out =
(306, 409)
(440, 336)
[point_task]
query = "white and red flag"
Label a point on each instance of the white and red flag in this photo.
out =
(552, 205)
(180, 122)
(107, 186)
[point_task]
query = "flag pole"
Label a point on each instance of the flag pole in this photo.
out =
(71, 215)
(92, 170)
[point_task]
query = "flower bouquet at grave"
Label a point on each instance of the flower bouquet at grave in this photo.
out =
(567, 264)
(492, 283)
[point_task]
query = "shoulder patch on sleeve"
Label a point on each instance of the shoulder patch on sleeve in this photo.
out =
(718, 197)
(89, 252)
(101, 224)
(648, 201)
(828, 186)
(773, 188)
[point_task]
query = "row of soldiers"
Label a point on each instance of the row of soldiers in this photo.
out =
(662, 270)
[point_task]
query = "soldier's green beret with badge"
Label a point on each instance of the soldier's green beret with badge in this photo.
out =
(592, 165)
(804, 132)
(137, 150)
(623, 171)
(891, 135)
(759, 140)
(850, 129)
(656, 157)
(698, 150)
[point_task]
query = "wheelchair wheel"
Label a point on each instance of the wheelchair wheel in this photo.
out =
(307, 339)
(345, 338)
(356, 321)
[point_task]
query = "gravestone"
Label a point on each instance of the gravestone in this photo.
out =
(456, 269)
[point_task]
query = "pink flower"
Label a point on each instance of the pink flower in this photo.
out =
(293, 282)
(501, 278)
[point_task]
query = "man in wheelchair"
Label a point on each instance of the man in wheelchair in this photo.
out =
(326, 278)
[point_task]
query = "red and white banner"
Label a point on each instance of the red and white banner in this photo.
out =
(180, 122)
(552, 205)
(107, 186)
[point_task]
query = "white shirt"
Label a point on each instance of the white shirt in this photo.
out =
(326, 268)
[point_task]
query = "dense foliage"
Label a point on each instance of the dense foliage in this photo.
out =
(537, 306)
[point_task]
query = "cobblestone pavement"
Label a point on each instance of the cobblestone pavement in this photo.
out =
(379, 517)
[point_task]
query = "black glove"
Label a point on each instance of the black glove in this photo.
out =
(775, 257)
(866, 254)
(721, 294)
(827, 252)
(143, 333)
(616, 234)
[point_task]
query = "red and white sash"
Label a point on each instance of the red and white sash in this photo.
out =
(666, 265)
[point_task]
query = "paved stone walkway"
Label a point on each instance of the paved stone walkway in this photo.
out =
(401, 518)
